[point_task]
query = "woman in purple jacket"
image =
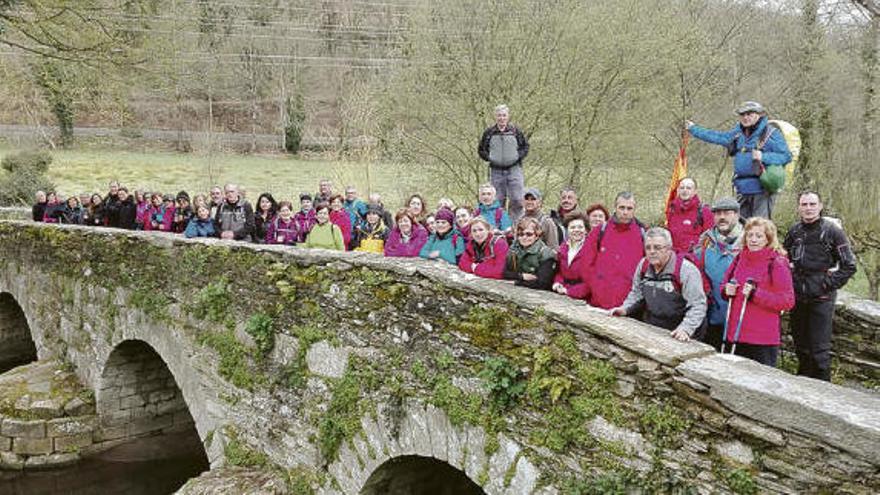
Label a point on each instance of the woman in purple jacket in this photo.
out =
(407, 237)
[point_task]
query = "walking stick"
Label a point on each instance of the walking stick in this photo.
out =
(726, 319)
(739, 324)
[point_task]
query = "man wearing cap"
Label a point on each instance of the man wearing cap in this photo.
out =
(744, 145)
(533, 202)
(822, 262)
(504, 146)
(713, 254)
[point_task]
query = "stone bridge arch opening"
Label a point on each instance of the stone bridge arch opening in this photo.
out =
(138, 396)
(418, 475)
(17, 345)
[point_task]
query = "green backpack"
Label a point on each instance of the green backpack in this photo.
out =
(773, 177)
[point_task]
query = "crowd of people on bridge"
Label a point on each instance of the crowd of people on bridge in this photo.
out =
(710, 274)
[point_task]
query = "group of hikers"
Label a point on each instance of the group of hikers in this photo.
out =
(716, 272)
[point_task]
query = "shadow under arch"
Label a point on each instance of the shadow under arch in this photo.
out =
(138, 396)
(17, 345)
(418, 475)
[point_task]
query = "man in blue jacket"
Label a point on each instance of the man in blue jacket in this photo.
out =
(743, 143)
(714, 253)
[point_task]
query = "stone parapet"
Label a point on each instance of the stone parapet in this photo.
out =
(335, 364)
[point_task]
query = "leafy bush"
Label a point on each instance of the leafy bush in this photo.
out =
(36, 161)
(18, 188)
(25, 175)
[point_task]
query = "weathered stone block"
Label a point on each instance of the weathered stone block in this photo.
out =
(73, 442)
(11, 461)
(70, 426)
(736, 451)
(326, 360)
(5, 444)
(32, 446)
(47, 408)
(51, 461)
(23, 429)
(78, 407)
(161, 395)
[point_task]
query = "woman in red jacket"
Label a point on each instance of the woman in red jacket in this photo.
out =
(687, 217)
(570, 279)
(758, 277)
(484, 254)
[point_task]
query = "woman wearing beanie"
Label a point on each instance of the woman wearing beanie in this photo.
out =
(445, 243)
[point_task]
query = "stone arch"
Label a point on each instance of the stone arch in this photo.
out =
(137, 395)
(417, 475)
(17, 345)
(421, 430)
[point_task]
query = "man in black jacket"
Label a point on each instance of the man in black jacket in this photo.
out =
(504, 146)
(822, 262)
(235, 216)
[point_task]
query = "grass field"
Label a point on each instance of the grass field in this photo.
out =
(75, 171)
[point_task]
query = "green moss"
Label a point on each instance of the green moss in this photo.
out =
(511, 470)
(238, 453)
(342, 422)
(301, 481)
(663, 424)
(234, 364)
(151, 301)
(741, 481)
(213, 301)
(460, 407)
(486, 327)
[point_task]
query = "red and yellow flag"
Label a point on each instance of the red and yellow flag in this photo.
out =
(679, 170)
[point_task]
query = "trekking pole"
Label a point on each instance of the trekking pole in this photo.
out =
(739, 324)
(726, 319)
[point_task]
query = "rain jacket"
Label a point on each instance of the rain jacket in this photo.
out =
(744, 141)
(490, 257)
(396, 246)
(450, 246)
(613, 251)
(773, 294)
(686, 221)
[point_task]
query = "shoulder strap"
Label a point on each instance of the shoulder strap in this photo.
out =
(766, 137)
(700, 214)
(600, 236)
(498, 214)
(676, 273)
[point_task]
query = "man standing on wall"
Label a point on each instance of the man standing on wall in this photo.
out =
(822, 262)
(504, 146)
(752, 146)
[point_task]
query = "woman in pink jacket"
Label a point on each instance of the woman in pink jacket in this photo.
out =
(570, 278)
(758, 277)
(407, 237)
(484, 255)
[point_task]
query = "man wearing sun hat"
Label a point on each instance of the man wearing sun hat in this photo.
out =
(752, 149)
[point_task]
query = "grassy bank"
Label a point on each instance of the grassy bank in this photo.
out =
(75, 171)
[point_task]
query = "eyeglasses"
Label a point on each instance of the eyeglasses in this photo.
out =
(655, 247)
(526, 234)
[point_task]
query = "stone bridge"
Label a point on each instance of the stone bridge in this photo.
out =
(308, 371)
